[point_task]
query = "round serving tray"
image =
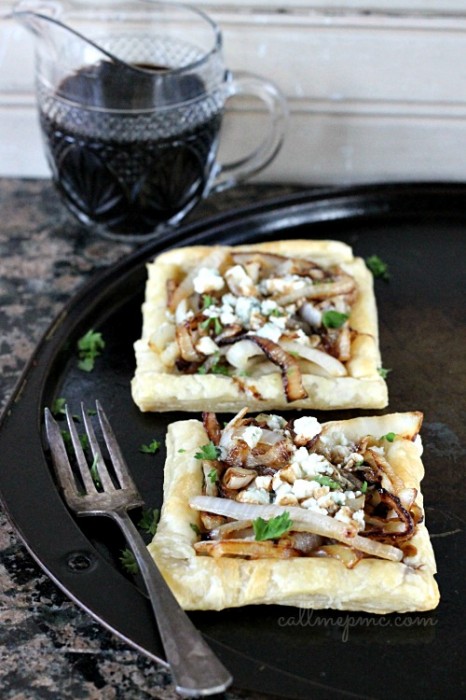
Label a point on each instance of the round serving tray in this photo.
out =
(419, 230)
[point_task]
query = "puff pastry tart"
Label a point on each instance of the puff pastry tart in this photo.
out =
(284, 324)
(270, 510)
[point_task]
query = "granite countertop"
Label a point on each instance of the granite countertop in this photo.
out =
(49, 647)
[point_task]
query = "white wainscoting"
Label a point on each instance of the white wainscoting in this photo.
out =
(375, 93)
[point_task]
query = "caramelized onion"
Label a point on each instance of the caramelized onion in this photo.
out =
(186, 344)
(291, 373)
(330, 364)
(246, 549)
(212, 427)
(318, 523)
(342, 284)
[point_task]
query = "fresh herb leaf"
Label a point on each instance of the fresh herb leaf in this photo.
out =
(273, 528)
(207, 300)
(333, 319)
(364, 487)
(149, 520)
(389, 437)
(220, 369)
(58, 407)
(209, 451)
(205, 325)
(378, 267)
(128, 561)
(181, 450)
(151, 448)
(83, 439)
(326, 481)
(90, 347)
(213, 476)
(195, 528)
(95, 471)
(383, 372)
(277, 312)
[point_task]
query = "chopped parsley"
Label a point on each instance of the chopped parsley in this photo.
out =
(213, 476)
(209, 451)
(90, 347)
(207, 301)
(378, 267)
(149, 521)
(209, 321)
(58, 407)
(95, 472)
(333, 319)
(151, 448)
(326, 481)
(383, 371)
(83, 439)
(195, 528)
(128, 561)
(181, 450)
(364, 487)
(273, 528)
(389, 437)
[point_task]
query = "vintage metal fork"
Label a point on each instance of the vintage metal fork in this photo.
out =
(195, 668)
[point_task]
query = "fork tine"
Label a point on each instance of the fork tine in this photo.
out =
(89, 485)
(104, 476)
(114, 451)
(60, 459)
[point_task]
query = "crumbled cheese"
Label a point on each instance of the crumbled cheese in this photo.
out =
(269, 331)
(251, 435)
(279, 321)
(207, 346)
(338, 497)
(275, 422)
(304, 488)
(253, 495)
(268, 306)
(263, 482)
(208, 279)
(344, 515)
(311, 463)
(244, 308)
(307, 427)
(239, 281)
(312, 504)
(358, 516)
(283, 285)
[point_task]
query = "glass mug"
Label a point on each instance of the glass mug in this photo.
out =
(131, 97)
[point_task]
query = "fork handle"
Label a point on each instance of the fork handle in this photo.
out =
(195, 668)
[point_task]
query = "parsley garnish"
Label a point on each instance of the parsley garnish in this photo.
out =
(216, 322)
(207, 301)
(128, 561)
(389, 437)
(326, 481)
(89, 347)
(83, 439)
(273, 528)
(209, 451)
(378, 267)
(333, 319)
(149, 520)
(95, 472)
(213, 475)
(364, 487)
(151, 448)
(383, 371)
(195, 528)
(58, 407)
(181, 450)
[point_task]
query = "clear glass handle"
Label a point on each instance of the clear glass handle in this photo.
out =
(249, 85)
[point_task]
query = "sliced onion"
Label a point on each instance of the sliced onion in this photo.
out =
(347, 555)
(240, 353)
(162, 336)
(186, 287)
(212, 426)
(291, 373)
(329, 363)
(186, 345)
(343, 284)
(318, 523)
(246, 549)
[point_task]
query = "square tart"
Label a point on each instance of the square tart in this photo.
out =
(375, 585)
(158, 385)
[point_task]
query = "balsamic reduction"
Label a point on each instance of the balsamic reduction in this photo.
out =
(130, 171)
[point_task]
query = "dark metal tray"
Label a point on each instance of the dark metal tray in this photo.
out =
(419, 230)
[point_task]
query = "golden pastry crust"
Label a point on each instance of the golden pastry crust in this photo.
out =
(207, 583)
(157, 386)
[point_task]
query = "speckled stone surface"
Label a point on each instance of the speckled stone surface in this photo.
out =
(49, 647)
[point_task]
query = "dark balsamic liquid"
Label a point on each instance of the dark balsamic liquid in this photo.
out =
(129, 173)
